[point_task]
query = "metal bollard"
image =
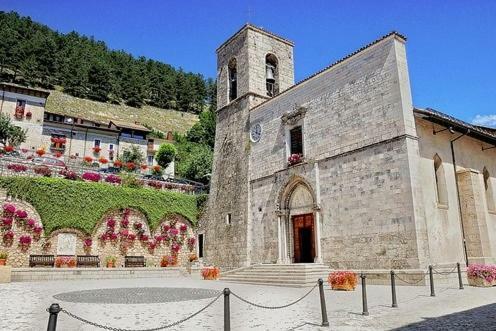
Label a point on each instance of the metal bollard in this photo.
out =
(227, 310)
(54, 310)
(393, 290)
(323, 308)
(364, 295)
(431, 281)
(460, 282)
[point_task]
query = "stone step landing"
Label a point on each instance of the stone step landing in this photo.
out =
(290, 275)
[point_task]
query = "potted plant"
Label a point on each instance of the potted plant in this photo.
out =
(193, 257)
(342, 280)
(65, 262)
(3, 258)
(210, 273)
(169, 261)
(40, 151)
(110, 261)
(295, 159)
(481, 275)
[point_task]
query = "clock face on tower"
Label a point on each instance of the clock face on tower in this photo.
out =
(255, 133)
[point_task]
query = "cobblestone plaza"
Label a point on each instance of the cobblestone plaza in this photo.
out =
(150, 303)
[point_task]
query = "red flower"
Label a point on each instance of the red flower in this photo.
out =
(103, 160)
(8, 235)
(37, 229)
(117, 164)
(143, 237)
(111, 223)
(96, 149)
(130, 166)
(8, 149)
(88, 242)
(31, 223)
(58, 154)
(88, 159)
(143, 166)
(183, 228)
(40, 151)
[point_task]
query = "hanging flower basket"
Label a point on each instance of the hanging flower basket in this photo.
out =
(342, 280)
(96, 149)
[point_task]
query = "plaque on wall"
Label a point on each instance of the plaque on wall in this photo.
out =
(66, 244)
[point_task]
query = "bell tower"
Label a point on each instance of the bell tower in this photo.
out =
(252, 66)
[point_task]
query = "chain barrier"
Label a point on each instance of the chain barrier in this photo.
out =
(444, 272)
(274, 307)
(105, 327)
(411, 282)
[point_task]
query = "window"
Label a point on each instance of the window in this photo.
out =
(111, 152)
(19, 109)
(441, 190)
(97, 143)
(271, 75)
(150, 159)
(296, 140)
(488, 190)
(228, 219)
(233, 80)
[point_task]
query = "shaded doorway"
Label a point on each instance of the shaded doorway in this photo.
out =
(304, 238)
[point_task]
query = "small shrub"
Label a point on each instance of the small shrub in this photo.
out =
(130, 180)
(91, 177)
(42, 171)
(113, 179)
(68, 174)
(484, 271)
(17, 167)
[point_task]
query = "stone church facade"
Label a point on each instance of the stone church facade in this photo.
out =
(340, 168)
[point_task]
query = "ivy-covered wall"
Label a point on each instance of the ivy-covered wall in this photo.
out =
(62, 203)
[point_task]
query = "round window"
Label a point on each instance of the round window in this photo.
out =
(256, 133)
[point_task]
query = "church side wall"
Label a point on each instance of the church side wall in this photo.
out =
(359, 133)
(445, 235)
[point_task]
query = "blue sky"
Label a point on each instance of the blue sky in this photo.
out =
(451, 45)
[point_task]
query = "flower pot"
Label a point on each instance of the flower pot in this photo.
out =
(110, 265)
(343, 287)
(480, 282)
(3, 261)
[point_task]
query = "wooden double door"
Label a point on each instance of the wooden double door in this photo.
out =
(304, 238)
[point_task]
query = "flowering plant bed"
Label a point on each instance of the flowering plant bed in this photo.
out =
(113, 179)
(91, 177)
(103, 160)
(210, 273)
(65, 262)
(17, 167)
(482, 275)
(43, 171)
(342, 280)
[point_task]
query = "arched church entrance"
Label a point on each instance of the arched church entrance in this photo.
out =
(299, 234)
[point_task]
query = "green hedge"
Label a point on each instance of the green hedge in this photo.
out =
(63, 203)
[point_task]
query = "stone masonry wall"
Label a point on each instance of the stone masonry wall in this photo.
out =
(120, 247)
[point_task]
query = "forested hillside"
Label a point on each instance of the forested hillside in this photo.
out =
(35, 55)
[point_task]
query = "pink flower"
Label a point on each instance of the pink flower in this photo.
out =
(7, 222)
(131, 236)
(9, 209)
(31, 223)
(183, 228)
(143, 237)
(111, 223)
(8, 235)
(165, 227)
(37, 229)
(175, 247)
(138, 225)
(88, 242)
(91, 176)
(113, 236)
(158, 238)
(124, 223)
(21, 214)
(124, 233)
(173, 232)
(487, 272)
(25, 240)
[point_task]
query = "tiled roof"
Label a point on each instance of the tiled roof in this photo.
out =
(392, 33)
(4, 85)
(479, 132)
(133, 126)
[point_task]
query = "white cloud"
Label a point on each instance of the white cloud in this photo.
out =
(485, 120)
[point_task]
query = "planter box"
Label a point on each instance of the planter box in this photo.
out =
(5, 274)
(480, 282)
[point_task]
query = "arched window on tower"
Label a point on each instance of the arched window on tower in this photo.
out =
(271, 75)
(233, 79)
(441, 189)
(489, 190)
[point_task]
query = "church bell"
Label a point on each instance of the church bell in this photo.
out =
(269, 73)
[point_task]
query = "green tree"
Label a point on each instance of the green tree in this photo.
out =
(194, 161)
(203, 132)
(132, 154)
(9, 133)
(165, 154)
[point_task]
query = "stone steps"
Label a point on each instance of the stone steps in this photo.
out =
(291, 275)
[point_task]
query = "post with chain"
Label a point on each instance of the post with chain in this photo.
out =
(393, 290)
(325, 321)
(431, 281)
(460, 282)
(227, 310)
(365, 310)
(54, 311)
